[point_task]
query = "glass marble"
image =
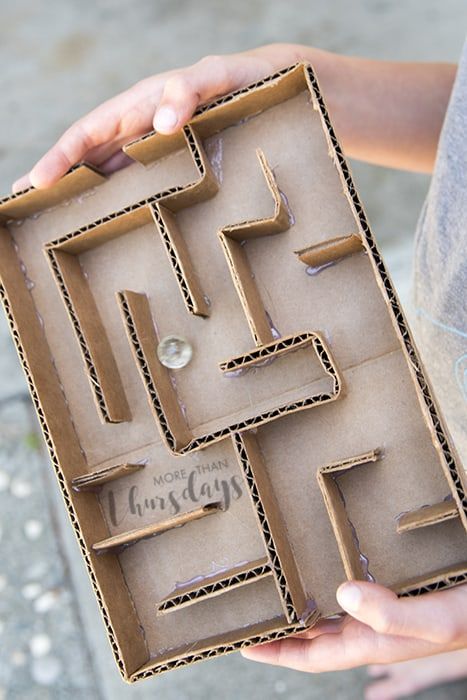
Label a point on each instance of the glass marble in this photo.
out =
(174, 352)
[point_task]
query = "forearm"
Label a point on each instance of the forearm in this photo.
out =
(384, 112)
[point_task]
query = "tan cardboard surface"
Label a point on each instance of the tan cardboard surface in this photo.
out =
(379, 407)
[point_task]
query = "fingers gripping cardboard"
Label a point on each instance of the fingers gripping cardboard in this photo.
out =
(244, 234)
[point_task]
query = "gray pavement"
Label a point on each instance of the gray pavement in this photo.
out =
(59, 59)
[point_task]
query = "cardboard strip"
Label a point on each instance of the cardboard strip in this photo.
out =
(68, 460)
(329, 251)
(143, 339)
(36, 358)
(295, 600)
(77, 180)
(270, 415)
(213, 585)
(427, 515)
(336, 468)
(103, 230)
(96, 479)
(179, 258)
(247, 290)
(353, 560)
(435, 581)
(450, 461)
(266, 631)
(125, 539)
(276, 348)
(162, 397)
(223, 112)
(256, 228)
(164, 212)
(63, 257)
(101, 368)
(232, 239)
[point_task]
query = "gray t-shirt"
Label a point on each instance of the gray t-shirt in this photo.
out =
(440, 269)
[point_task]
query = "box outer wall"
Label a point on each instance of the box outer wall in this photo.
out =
(128, 667)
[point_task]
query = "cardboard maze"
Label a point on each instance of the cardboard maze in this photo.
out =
(222, 503)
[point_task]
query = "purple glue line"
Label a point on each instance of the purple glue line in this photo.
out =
(313, 271)
(205, 577)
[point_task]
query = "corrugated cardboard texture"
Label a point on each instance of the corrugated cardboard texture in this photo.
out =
(151, 257)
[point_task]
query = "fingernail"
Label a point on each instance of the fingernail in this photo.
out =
(349, 596)
(165, 119)
(21, 184)
(35, 182)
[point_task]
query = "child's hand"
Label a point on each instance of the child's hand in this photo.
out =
(382, 629)
(166, 101)
(384, 112)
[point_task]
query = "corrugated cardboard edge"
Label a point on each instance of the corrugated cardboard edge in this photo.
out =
(160, 391)
(78, 179)
(123, 667)
(429, 407)
(437, 581)
(232, 238)
(227, 580)
(427, 516)
(95, 479)
(448, 456)
(334, 501)
(210, 648)
(97, 355)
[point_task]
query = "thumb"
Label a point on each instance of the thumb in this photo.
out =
(208, 78)
(189, 87)
(439, 617)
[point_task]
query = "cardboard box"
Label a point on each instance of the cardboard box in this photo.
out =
(301, 444)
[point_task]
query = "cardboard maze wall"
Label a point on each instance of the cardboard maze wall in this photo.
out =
(222, 503)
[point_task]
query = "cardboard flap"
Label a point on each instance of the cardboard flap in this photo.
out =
(329, 251)
(94, 480)
(428, 515)
(355, 563)
(26, 203)
(216, 584)
(98, 357)
(125, 539)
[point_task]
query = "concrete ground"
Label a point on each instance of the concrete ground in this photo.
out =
(59, 59)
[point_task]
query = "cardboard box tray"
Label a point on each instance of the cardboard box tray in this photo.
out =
(221, 504)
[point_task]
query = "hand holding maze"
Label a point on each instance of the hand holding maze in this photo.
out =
(263, 379)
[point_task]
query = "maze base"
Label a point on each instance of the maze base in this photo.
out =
(221, 504)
